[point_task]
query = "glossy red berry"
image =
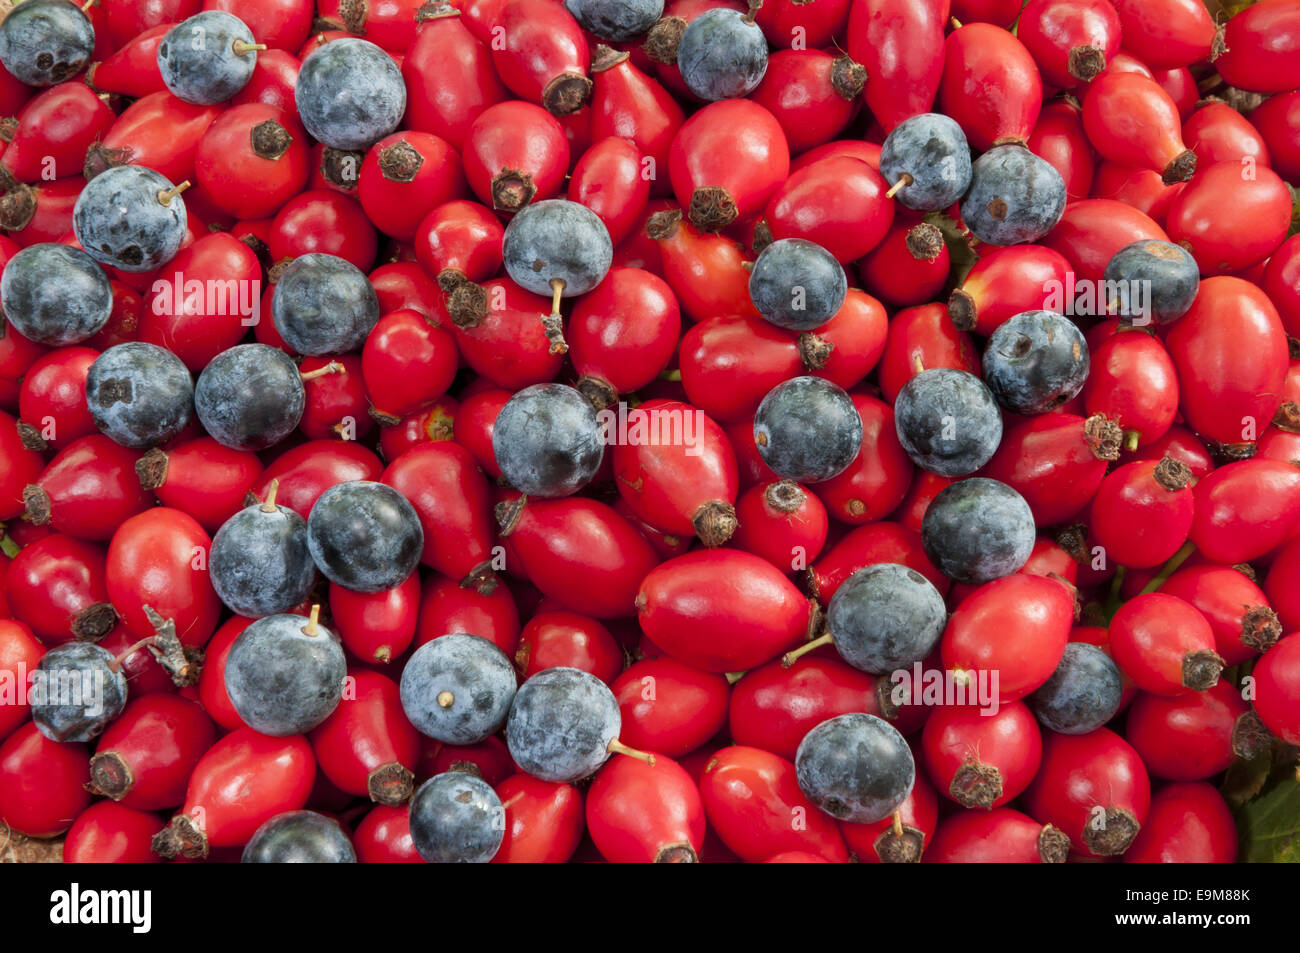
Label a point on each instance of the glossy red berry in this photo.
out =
(838, 202)
(978, 758)
(639, 812)
(559, 638)
(1071, 41)
(1189, 823)
(991, 85)
(1001, 836)
(898, 43)
(1238, 610)
(544, 820)
(367, 747)
(56, 586)
(379, 626)
(1277, 701)
(108, 833)
(87, 490)
(19, 650)
(447, 607)
(52, 402)
(1142, 512)
(1189, 737)
(252, 160)
(1219, 242)
(669, 707)
(1261, 48)
(1165, 645)
(144, 758)
(404, 177)
(1245, 509)
(515, 153)
(1005, 282)
(42, 782)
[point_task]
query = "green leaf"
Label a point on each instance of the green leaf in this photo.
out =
(1245, 779)
(8, 546)
(1269, 827)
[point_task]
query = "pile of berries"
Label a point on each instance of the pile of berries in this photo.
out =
(522, 430)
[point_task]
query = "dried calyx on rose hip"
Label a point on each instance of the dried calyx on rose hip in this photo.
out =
(130, 218)
(926, 161)
(284, 674)
(208, 58)
(458, 688)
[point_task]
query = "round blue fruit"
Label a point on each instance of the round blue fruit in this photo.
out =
(44, 42)
(140, 395)
(548, 441)
(324, 305)
(1014, 197)
(561, 724)
(350, 94)
(206, 59)
(81, 689)
(856, 768)
(1035, 362)
(557, 240)
(797, 285)
(55, 294)
(260, 563)
(456, 818)
(978, 530)
(365, 536)
(722, 55)
(458, 688)
(299, 837)
(126, 217)
(250, 397)
(284, 675)
(886, 617)
(929, 154)
(947, 421)
(807, 430)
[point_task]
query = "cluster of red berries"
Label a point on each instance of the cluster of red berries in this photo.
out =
(1162, 472)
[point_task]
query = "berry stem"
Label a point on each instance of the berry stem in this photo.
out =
(903, 180)
(333, 367)
(116, 664)
(310, 628)
(789, 658)
(1169, 568)
(165, 196)
(268, 505)
(241, 48)
(617, 747)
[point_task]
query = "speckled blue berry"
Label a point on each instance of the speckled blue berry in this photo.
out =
(79, 692)
(978, 530)
(1082, 694)
(456, 818)
(364, 536)
(1035, 362)
(350, 94)
(44, 42)
(259, 563)
(205, 60)
(807, 430)
(929, 153)
(1014, 197)
(722, 55)
(250, 397)
(557, 240)
(324, 305)
(122, 220)
(458, 688)
(616, 20)
(140, 395)
(947, 421)
(561, 724)
(55, 294)
(284, 675)
(548, 441)
(886, 617)
(856, 768)
(1153, 279)
(299, 837)
(797, 285)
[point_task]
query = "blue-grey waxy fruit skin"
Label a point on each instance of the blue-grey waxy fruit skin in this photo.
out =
(886, 617)
(259, 563)
(557, 240)
(932, 150)
(82, 692)
(55, 294)
(456, 818)
(197, 58)
(855, 767)
(548, 441)
(350, 94)
(299, 837)
(561, 724)
(44, 42)
(1164, 275)
(324, 305)
(364, 536)
(797, 285)
(722, 55)
(121, 222)
(471, 676)
(947, 421)
(281, 679)
(250, 397)
(978, 530)
(1014, 197)
(1035, 362)
(139, 394)
(616, 20)
(807, 430)
(1082, 694)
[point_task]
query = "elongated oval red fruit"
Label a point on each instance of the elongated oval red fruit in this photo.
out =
(753, 801)
(1131, 120)
(722, 611)
(706, 272)
(366, 747)
(885, 542)
(990, 85)
(899, 42)
(1246, 509)
(838, 202)
(1263, 48)
(639, 812)
(244, 780)
(54, 131)
(581, 553)
(1056, 462)
(145, 757)
(631, 105)
(1005, 282)
(544, 820)
(1230, 351)
(542, 55)
(1000, 836)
